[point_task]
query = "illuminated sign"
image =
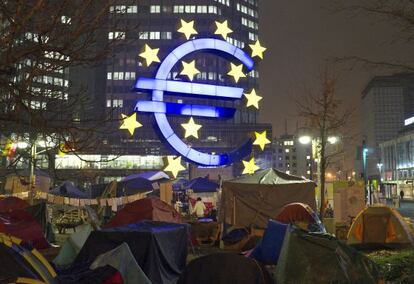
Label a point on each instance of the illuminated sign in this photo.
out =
(161, 109)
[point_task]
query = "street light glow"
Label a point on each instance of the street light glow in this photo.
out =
(305, 140)
(332, 139)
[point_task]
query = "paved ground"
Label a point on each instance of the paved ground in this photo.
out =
(407, 209)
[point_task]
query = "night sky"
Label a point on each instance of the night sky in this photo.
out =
(300, 35)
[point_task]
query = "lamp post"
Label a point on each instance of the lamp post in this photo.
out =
(364, 172)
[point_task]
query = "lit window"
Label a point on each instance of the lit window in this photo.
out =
(109, 76)
(287, 150)
(307, 157)
(155, 9)
(132, 9)
(288, 172)
(154, 35)
(143, 35)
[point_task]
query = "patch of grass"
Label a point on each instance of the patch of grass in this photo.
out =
(396, 266)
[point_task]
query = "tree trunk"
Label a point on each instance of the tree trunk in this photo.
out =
(322, 189)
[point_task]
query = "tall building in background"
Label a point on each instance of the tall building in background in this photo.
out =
(155, 22)
(386, 102)
(292, 157)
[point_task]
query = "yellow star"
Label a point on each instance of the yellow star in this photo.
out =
(191, 128)
(236, 71)
(257, 49)
(189, 70)
(261, 139)
(150, 55)
(253, 99)
(174, 166)
(222, 29)
(130, 123)
(249, 167)
(187, 29)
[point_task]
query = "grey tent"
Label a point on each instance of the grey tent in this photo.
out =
(252, 200)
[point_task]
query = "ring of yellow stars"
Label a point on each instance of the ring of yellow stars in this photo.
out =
(261, 139)
(150, 54)
(187, 29)
(174, 166)
(257, 49)
(130, 123)
(189, 70)
(191, 128)
(223, 29)
(249, 167)
(236, 71)
(253, 99)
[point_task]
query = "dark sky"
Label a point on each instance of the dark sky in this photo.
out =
(300, 35)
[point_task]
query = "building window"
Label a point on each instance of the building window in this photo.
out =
(166, 35)
(154, 35)
(155, 9)
(287, 150)
(116, 35)
(132, 9)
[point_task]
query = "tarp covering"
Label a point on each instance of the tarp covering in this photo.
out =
(68, 189)
(268, 250)
(11, 203)
(380, 226)
(224, 268)
(254, 199)
(150, 208)
(72, 246)
(133, 186)
(151, 176)
(301, 214)
(159, 248)
(81, 274)
(122, 260)
(21, 224)
(202, 185)
(22, 261)
(320, 258)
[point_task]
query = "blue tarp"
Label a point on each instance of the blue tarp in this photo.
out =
(268, 250)
(202, 185)
(133, 186)
(67, 189)
(151, 175)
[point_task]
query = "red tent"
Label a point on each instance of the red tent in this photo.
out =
(12, 203)
(21, 224)
(296, 212)
(150, 208)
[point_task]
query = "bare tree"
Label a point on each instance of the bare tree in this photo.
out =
(398, 13)
(40, 40)
(325, 118)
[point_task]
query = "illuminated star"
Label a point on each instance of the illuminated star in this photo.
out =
(257, 49)
(191, 128)
(253, 99)
(174, 166)
(236, 71)
(150, 55)
(189, 70)
(222, 29)
(261, 139)
(249, 167)
(187, 29)
(130, 123)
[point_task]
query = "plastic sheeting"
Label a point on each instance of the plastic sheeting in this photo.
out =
(159, 248)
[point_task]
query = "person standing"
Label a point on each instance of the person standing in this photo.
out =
(402, 194)
(199, 208)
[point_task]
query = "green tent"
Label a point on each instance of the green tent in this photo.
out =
(73, 245)
(320, 258)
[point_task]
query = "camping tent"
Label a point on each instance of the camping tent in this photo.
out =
(301, 215)
(252, 200)
(68, 189)
(151, 176)
(224, 268)
(203, 188)
(20, 182)
(380, 226)
(135, 185)
(159, 248)
(21, 224)
(12, 203)
(18, 261)
(150, 208)
(318, 258)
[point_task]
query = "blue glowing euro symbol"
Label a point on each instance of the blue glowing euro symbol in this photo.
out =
(160, 84)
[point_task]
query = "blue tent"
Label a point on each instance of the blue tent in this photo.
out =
(200, 184)
(268, 250)
(68, 189)
(180, 184)
(151, 175)
(135, 185)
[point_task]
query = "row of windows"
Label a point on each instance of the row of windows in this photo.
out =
(49, 93)
(123, 9)
(235, 42)
(179, 9)
(56, 55)
(155, 35)
(249, 23)
(224, 2)
(251, 2)
(52, 81)
(116, 35)
(247, 11)
(155, 9)
(120, 76)
(115, 103)
(253, 36)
